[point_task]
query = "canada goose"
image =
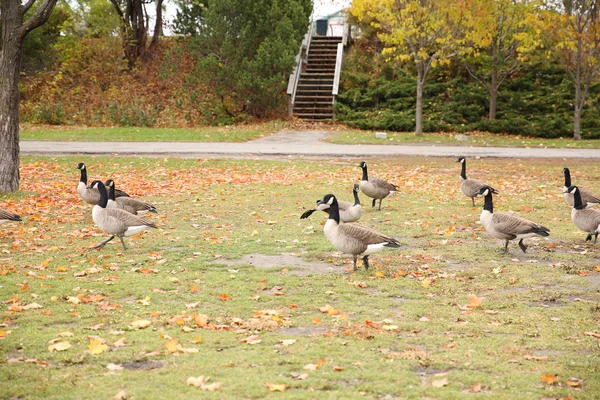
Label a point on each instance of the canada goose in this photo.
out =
(375, 188)
(114, 221)
(349, 212)
(588, 199)
(129, 204)
(470, 187)
(586, 219)
(7, 216)
(89, 194)
(353, 239)
(505, 225)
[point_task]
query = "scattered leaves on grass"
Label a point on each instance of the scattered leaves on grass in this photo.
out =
(474, 301)
(439, 383)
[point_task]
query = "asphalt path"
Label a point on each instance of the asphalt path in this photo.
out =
(290, 144)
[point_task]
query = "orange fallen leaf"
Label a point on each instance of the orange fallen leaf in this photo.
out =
(316, 320)
(311, 367)
(476, 388)
(337, 368)
(121, 395)
(573, 383)
(474, 301)
(550, 379)
(593, 334)
(201, 320)
(224, 297)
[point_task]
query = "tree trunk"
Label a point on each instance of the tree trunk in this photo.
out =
(419, 113)
(10, 68)
(13, 31)
(493, 96)
(577, 112)
(158, 24)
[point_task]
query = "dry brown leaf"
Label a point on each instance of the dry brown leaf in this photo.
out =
(253, 339)
(287, 342)
(114, 367)
(192, 305)
(440, 383)
(119, 343)
(121, 395)
(476, 388)
(311, 367)
(201, 382)
(32, 306)
(535, 358)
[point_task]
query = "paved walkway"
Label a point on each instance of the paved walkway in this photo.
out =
(291, 143)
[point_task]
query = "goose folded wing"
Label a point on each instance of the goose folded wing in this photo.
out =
(134, 203)
(510, 224)
(589, 197)
(364, 234)
(127, 219)
(8, 215)
(383, 184)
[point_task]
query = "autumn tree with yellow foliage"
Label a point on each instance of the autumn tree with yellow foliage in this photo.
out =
(412, 30)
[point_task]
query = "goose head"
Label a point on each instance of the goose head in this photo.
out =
(109, 183)
(461, 160)
(485, 190)
(363, 164)
(95, 184)
(81, 166)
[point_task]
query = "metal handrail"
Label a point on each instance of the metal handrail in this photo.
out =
(300, 60)
(338, 69)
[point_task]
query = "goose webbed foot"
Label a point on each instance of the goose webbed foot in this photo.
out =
(588, 237)
(366, 262)
(101, 245)
(522, 246)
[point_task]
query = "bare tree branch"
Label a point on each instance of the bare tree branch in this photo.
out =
(39, 18)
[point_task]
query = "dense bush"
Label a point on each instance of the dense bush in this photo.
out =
(536, 102)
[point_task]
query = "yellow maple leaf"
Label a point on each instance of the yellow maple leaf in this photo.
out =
(97, 346)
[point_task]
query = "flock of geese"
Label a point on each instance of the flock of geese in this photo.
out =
(118, 214)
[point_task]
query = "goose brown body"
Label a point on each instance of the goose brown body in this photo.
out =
(588, 199)
(375, 188)
(87, 193)
(586, 219)
(7, 216)
(470, 187)
(129, 204)
(507, 226)
(351, 238)
(114, 221)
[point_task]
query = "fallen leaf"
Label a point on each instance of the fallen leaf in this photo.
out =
(32, 306)
(550, 379)
(440, 383)
(476, 388)
(97, 346)
(301, 377)
(573, 383)
(119, 343)
(254, 339)
(140, 323)
(535, 358)
(201, 382)
(114, 367)
(474, 301)
(192, 305)
(311, 367)
(224, 297)
(287, 342)
(337, 368)
(121, 395)
(59, 346)
(276, 387)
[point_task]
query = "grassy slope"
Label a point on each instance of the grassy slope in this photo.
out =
(240, 133)
(536, 304)
(237, 133)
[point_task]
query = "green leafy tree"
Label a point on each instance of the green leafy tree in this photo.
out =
(188, 17)
(573, 32)
(498, 37)
(412, 30)
(248, 50)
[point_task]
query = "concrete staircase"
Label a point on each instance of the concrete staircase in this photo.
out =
(314, 98)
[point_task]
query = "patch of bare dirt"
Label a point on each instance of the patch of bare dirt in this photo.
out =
(296, 265)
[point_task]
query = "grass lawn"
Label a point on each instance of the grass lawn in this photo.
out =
(235, 287)
(235, 133)
(479, 139)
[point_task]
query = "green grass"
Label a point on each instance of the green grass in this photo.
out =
(237, 133)
(348, 136)
(212, 212)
